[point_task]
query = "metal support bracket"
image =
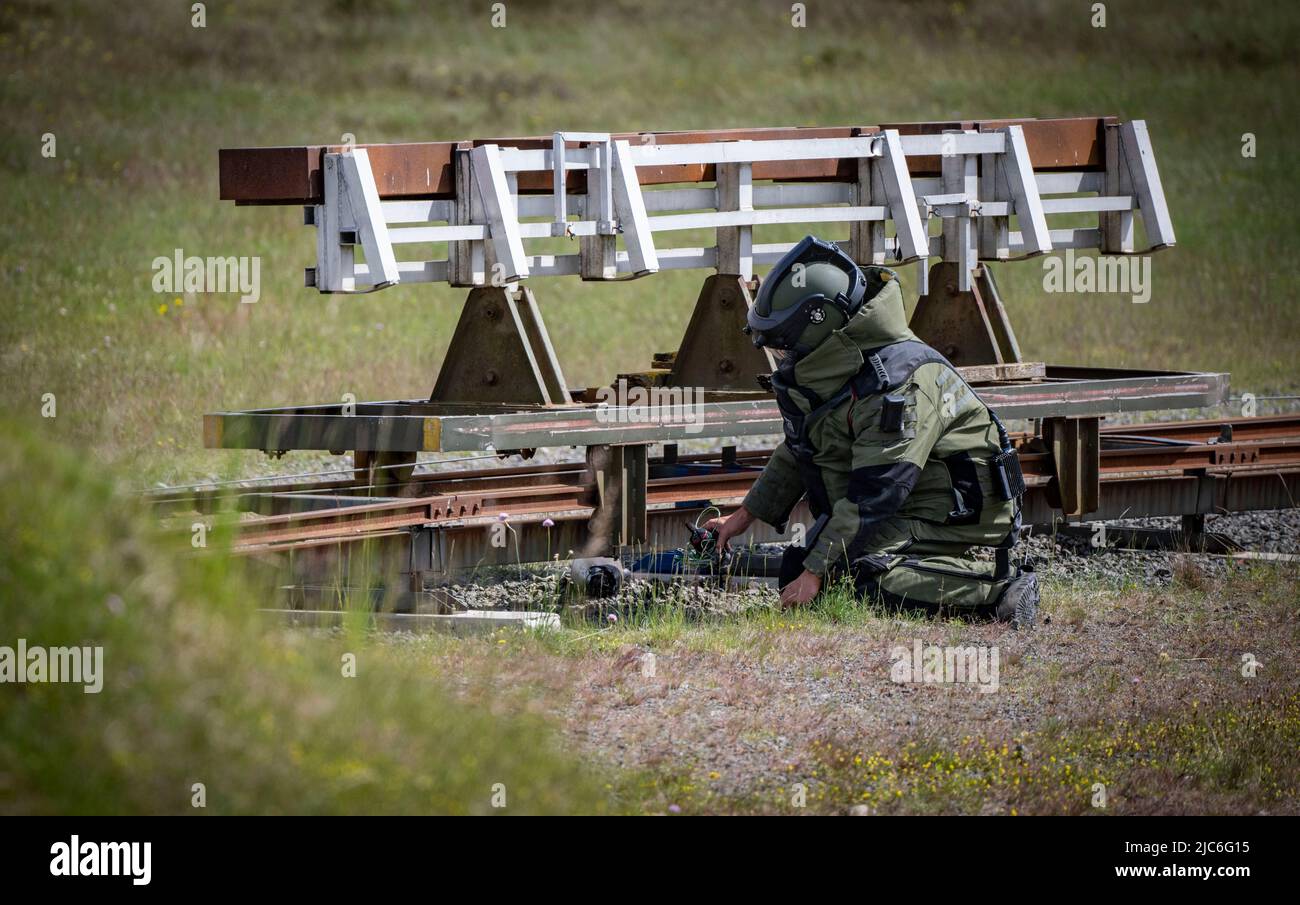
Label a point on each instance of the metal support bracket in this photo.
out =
(960, 180)
(620, 474)
(499, 211)
(1075, 444)
(1016, 173)
(715, 352)
(633, 221)
(351, 215)
(1140, 160)
(599, 252)
(1116, 227)
(970, 326)
(891, 168)
(501, 353)
(736, 243)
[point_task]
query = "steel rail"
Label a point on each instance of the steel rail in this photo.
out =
(1148, 461)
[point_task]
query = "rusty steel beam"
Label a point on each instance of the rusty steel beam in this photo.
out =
(1211, 430)
(292, 175)
(358, 518)
(1145, 470)
(461, 545)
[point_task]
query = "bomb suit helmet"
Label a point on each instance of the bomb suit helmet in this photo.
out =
(809, 294)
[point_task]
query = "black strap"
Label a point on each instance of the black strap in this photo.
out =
(1004, 439)
(879, 367)
(890, 366)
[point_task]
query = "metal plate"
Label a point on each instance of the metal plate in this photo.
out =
(422, 426)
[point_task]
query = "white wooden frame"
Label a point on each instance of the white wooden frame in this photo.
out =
(352, 215)
(987, 179)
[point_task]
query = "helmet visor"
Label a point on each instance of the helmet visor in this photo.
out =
(781, 329)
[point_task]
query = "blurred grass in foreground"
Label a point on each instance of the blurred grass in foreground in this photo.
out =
(197, 688)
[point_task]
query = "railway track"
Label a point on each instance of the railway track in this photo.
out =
(501, 386)
(437, 524)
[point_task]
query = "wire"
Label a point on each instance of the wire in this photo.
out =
(694, 559)
(704, 510)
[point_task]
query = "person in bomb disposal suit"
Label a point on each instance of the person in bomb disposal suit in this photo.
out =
(905, 469)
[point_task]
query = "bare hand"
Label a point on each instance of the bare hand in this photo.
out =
(801, 590)
(736, 523)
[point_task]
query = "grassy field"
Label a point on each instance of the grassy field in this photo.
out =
(1138, 689)
(1132, 687)
(1135, 690)
(140, 101)
(194, 689)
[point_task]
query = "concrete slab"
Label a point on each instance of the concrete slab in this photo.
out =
(469, 622)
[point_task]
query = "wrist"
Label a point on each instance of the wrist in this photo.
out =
(742, 518)
(815, 562)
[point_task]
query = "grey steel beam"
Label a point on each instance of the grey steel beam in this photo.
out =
(422, 426)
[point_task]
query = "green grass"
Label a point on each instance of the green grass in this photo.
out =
(1197, 760)
(1226, 747)
(197, 689)
(140, 102)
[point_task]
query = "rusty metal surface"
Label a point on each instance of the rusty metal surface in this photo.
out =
(967, 327)
(383, 515)
(1066, 144)
(714, 352)
(1182, 494)
(292, 175)
(466, 544)
(1147, 470)
(1207, 430)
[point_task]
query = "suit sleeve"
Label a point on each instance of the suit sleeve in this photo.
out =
(777, 490)
(886, 467)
